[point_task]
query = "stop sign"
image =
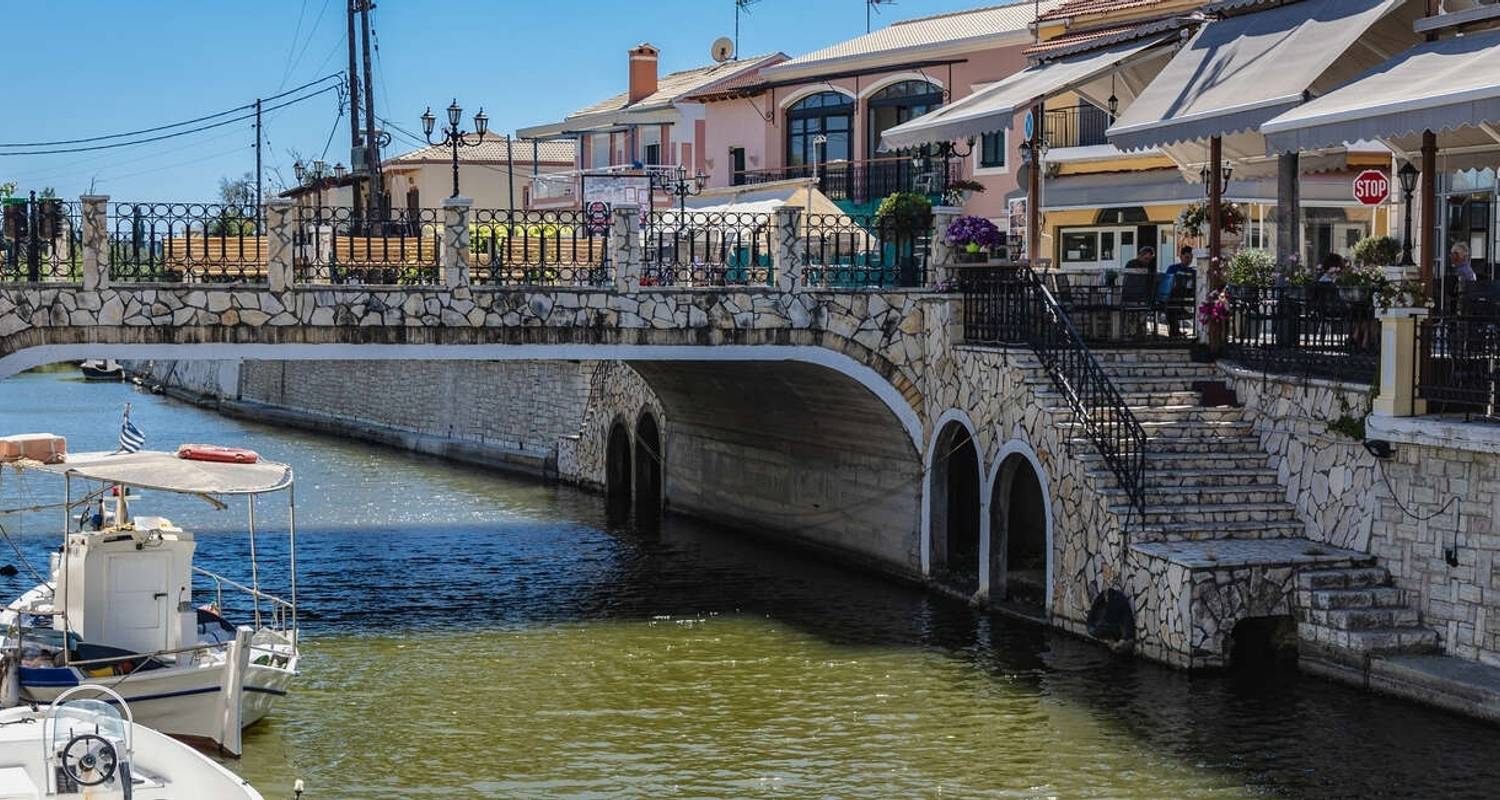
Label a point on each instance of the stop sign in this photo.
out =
(1371, 187)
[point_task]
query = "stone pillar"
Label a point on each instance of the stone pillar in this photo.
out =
(787, 258)
(455, 259)
(1288, 208)
(625, 252)
(943, 255)
(95, 241)
(280, 231)
(1398, 363)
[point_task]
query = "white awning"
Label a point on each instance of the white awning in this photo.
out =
(993, 107)
(149, 469)
(1239, 71)
(1450, 86)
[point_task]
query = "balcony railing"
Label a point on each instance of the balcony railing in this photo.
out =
(1082, 125)
(1321, 331)
(863, 181)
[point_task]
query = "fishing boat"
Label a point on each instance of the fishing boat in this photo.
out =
(90, 747)
(119, 609)
(102, 369)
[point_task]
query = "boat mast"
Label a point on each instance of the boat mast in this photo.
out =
(254, 570)
(291, 493)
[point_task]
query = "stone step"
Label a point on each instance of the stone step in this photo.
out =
(1165, 413)
(1123, 371)
(1194, 479)
(1051, 397)
(1367, 597)
(1108, 356)
(1185, 453)
(1360, 619)
(1372, 640)
(1198, 532)
(1201, 496)
(1182, 428)
(1347, 578)
(1208, 515)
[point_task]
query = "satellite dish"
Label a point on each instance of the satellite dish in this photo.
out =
(723, 49)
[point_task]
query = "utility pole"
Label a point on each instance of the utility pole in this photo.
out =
(372, 146)
(355, 142)
(259, 137)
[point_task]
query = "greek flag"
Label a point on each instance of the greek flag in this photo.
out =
(131, 437)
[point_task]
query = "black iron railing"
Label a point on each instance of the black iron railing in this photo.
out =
(704, 248)
(1137, 308)
(862, 250)
(1458, 362)
(210, 242)
(1010, 305)
(865, 181)
(336, 245)
(1080, 125)
(1321, 331)
(41, 239)
(538, 248)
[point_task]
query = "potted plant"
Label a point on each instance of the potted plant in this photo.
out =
(1377, 251)
(1408, 293)
(1193, 221)
(1249, 272)
(973, 237)
(900, 219)
(1294, 279)
(1358, 282)
(958, 192)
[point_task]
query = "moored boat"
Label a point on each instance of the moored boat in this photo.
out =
(102, 369)
(118, 609)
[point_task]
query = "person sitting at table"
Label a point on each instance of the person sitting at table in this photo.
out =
(1330, 268)
(1463, 267)
(1182, 266)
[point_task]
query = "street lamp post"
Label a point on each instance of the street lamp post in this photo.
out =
(680, 186)
(1408, 176)
(317, 178)
(453, 137)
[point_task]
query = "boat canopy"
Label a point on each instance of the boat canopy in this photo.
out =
(151, 469)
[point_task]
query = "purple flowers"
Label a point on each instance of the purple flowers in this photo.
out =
(974, 233)
(1216, 308)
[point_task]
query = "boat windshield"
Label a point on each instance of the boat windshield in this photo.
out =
(86, 715)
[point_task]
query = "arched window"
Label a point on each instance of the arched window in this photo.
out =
(899, 103)
(827, 114)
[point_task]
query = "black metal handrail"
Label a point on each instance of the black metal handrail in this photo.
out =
(1458, 359)
(1010, 305)
(1321, 331)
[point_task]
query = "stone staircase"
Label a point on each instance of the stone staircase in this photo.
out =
(1207, 479)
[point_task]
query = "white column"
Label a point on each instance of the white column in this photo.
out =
(1398, 364)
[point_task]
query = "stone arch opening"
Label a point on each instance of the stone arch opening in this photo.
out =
(1018, 534)
(1260, 643)
(617, 472)
(648, 465)
(954, 520)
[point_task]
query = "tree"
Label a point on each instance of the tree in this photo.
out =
(237, 195)
(237, 191)
(7, 189)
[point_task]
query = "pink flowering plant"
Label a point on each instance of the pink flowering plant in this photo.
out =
(974, 234)
(1215, 308)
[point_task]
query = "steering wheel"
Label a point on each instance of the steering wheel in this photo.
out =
(91, 755)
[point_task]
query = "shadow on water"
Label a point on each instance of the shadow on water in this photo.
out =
(577, 605)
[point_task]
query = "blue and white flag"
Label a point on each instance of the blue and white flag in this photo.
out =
(131, 437)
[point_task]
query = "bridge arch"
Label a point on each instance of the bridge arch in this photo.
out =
(1019, 547)
(952, 503)
(618, 483)
(649, 465)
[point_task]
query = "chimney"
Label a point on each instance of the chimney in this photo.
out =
(642, 71)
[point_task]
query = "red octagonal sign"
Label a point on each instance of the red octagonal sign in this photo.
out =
(1372, 187)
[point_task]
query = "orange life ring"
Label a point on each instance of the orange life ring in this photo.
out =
(211, 452)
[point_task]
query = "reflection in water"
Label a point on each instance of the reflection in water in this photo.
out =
(473, 635)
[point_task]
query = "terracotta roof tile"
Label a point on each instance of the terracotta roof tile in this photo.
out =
(493, 149)
(1078, 8)
(937, 29)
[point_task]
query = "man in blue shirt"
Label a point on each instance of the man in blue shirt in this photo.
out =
(1168, 284)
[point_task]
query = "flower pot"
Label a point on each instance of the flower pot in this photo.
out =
(1356, 295)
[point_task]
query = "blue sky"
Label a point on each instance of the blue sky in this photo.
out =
(78, 68)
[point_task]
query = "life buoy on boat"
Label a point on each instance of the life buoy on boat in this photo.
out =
(211, 452)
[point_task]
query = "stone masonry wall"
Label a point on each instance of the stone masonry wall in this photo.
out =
(1328, 476)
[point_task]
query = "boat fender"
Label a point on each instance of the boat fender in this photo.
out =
(1111, 617)
(10, 678)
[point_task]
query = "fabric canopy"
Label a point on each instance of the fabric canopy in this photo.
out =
(993, 107)
(1167, 186)
(1442, 86)
(1240, 71)
(150, 469)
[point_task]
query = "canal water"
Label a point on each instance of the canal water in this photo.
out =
(469, 634)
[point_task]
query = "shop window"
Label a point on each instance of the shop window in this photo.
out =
(1080, 246)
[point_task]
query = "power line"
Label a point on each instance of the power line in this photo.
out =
(165, 127)
(175, 134)
(303, 52)
(296, 34)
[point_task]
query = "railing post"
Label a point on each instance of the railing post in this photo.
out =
(942, 252)
(279, 234)
(785, 260)
(1399, 370)
(625, 251)
(95, 213)
(456, 242)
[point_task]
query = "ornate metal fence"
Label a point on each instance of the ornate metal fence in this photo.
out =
(860, 251)
(698, 248)
(538, 248)
(169, 242)
(335, 245)
(1459, 365)
(41, 239)
(1320, 331)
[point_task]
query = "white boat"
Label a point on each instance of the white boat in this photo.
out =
(118, 609)
(83, 747)
(102, 369)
